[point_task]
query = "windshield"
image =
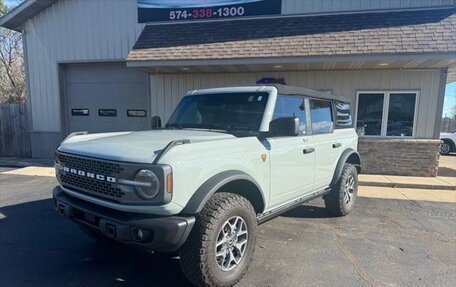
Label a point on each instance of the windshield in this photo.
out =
(228, 112)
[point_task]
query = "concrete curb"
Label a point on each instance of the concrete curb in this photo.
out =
(407, 185)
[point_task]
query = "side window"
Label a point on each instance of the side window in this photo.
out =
(288, 106)
(343, 115)
(321, 115)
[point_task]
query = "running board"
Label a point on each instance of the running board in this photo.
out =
(262, 218)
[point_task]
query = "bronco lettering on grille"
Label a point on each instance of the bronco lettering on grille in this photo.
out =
(89, 174)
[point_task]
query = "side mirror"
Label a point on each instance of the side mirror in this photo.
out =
(156, 123)
(284, 127)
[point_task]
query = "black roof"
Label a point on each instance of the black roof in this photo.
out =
(293, 90)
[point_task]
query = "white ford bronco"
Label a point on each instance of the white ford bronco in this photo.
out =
(227, 160)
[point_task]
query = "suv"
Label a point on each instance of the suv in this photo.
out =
(448, 143)
(227, 160)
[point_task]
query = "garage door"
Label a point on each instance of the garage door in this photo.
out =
(105, 98)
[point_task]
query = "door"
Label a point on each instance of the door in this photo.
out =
(327, 147)
(292, 159)
(106, 97)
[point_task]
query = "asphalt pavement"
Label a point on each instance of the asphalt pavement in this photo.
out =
(384, 242)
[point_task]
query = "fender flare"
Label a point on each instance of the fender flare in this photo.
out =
(208, 188)
(340, 164)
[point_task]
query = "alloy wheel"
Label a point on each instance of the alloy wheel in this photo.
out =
(231, 243)
(349, 191)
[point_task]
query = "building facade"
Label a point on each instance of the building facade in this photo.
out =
(110, 65)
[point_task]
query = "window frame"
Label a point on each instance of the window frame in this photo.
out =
(385, 112)
(331, 102)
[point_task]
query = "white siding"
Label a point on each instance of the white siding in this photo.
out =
(167, 89)
(73, 31)
(326, 6)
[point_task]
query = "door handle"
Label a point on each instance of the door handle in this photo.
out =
(308, 150)
(336, 145)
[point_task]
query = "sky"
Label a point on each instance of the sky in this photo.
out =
(12, 3)
(450, 99)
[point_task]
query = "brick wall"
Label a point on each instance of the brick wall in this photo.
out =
(412, 157)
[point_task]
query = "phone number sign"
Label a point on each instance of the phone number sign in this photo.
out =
(187, 10)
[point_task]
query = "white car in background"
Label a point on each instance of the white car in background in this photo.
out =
(448, 142)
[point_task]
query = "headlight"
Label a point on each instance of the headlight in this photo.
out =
(151, 185)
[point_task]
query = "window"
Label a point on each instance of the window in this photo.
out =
(80, 112)
(401, 114)
(321, 115)
(343, 115)
(386, 114)
(237, 112)
(288, 106)
(107, 113)
(137, 113)
(370, 113)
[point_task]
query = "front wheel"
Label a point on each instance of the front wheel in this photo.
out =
(221, 245)
(341, 199)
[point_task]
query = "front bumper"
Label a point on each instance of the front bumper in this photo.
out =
(165, 234)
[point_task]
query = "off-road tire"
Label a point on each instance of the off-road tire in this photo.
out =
(198, 260)
(335, 201)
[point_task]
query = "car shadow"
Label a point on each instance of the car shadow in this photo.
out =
(308, 211)
(41, 248)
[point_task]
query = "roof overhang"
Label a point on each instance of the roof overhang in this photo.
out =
(15, 18)
(423, 61)
(447, 59)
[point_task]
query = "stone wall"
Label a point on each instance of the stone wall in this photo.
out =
(411, 157)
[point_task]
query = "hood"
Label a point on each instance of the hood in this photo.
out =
(141, 147)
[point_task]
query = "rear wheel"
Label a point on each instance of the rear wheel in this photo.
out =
(341, 199)
(221, 245)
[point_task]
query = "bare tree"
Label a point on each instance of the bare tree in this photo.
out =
(12, 79)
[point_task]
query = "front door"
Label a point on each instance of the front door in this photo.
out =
(292, 159)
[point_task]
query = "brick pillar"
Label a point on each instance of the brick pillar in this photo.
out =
(412, 157)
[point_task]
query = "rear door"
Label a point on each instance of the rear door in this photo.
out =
(326, 145)
(291, 158)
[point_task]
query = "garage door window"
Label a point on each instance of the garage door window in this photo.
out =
(80, 112)
(386, 114)
(137, 113)
(107, 113)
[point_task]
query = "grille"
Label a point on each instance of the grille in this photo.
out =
(89, 165)
(91, 185)
(86, 184)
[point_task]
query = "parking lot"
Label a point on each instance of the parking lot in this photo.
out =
(384, 242)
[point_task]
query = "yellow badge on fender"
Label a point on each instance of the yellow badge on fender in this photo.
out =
(263, 157)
